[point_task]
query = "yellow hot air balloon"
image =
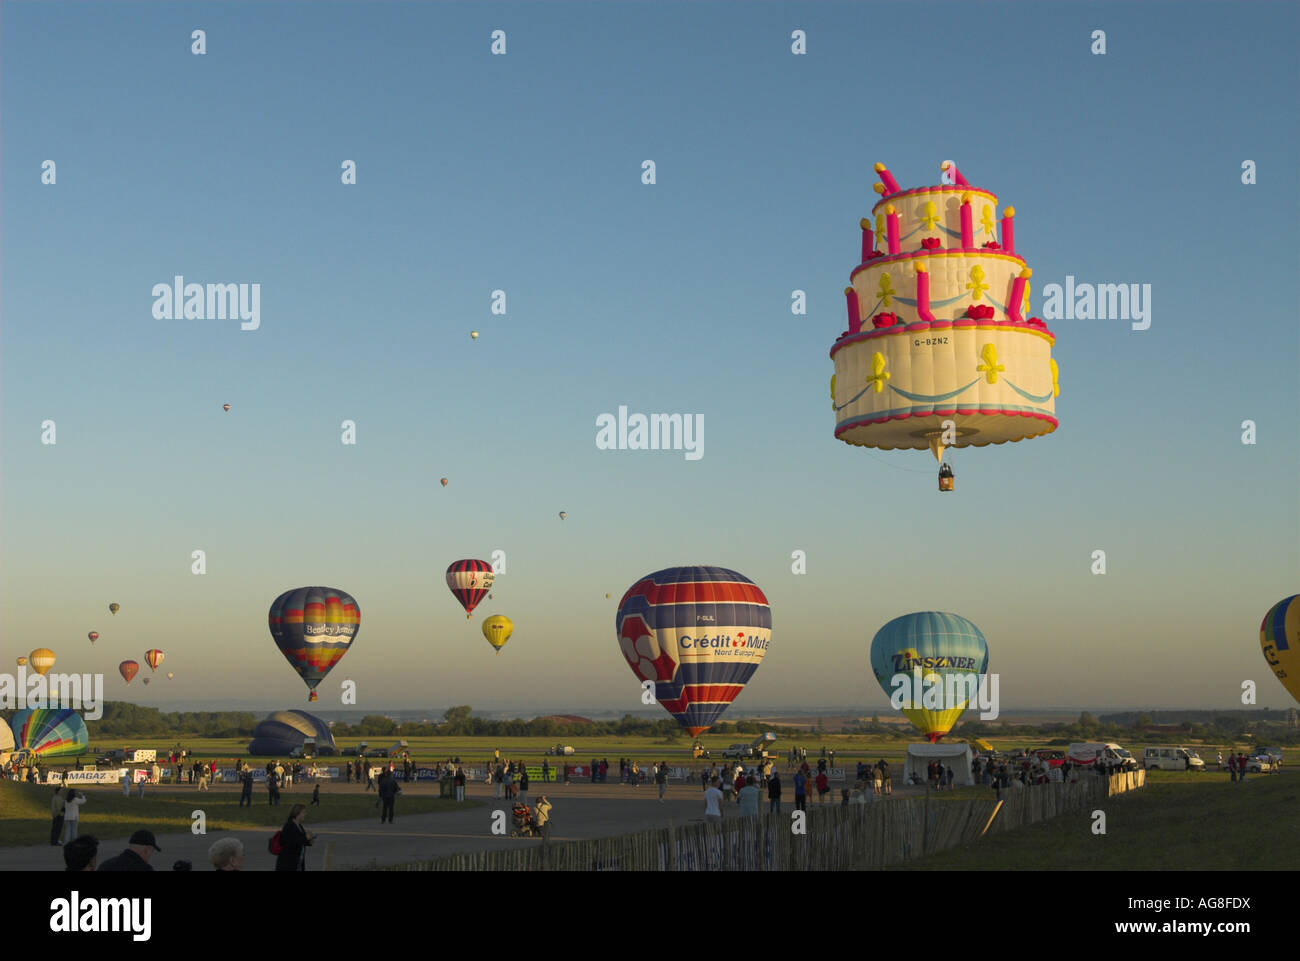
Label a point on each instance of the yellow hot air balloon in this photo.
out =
(497, 629)
(1279, 636)
(170, 675)
(41, 660)
(22, 661)
(473, 335)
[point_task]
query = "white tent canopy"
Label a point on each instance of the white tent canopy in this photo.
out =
(956, 756)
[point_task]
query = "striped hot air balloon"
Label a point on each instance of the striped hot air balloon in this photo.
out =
(1279, 638)
(153, 658)
(41, 660)
(470, 581)
(314, 627)
(698, 633)
(50, 732)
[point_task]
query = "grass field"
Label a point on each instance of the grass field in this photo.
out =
(1178, 822)
(25, 810)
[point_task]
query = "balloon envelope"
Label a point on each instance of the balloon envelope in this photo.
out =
(41, 660)
(170, 675)
(444, 482)
(497, 629)
(146, 682)
(698, 633)
(22, 661)
(114, 608)
(153, 658)
(1279, 637)
(94, 636)
(930, 643)
(50, 732)
(225, 407)
(128, 670)
(469, 582)
(314, 627)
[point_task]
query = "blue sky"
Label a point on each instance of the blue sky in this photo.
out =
(522, 173)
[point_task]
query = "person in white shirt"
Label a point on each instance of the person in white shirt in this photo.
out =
(71, 806)
(713, 802)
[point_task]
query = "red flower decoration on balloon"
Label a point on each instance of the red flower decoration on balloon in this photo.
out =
(884, 320)
(874, 254)
(930, 243)
(979, 312)
(992, 245)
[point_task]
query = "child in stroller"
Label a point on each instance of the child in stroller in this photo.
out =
(525, 827)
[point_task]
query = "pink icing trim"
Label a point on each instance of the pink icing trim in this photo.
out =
(965, 411)
(963, 323)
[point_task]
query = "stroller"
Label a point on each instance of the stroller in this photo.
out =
(524, 824)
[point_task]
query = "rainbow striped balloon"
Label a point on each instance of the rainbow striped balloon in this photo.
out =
(313, 627)
(698, 633)
(50, 732)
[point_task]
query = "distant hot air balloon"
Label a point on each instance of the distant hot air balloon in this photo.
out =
(153, 658)
(1279, 637)
(41, 660)
(444, 482)
(606, 597)
(314, 627)
(146, 682)
(170, 675)
(473, 335)
(22, 662)
(470, 581)
(50, 732)
(497, 629)
(490, 596)
(699, 633)
(563, 514)
(94, 636)
(114, 608)
(225, 407)
(935, 645)
(128, 670)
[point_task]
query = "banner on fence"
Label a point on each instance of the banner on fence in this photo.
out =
(84, 777)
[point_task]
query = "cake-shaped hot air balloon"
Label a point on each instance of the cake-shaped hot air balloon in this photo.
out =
(497, 629)
(698, 633)
(1279, 637)
(936, 660)
(470, 580)
(940, 350)
(314, 627)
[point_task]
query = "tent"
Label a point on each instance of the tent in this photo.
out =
(956, 756)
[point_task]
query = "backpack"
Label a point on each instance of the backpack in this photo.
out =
(274, 846)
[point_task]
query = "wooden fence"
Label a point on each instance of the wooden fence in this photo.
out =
(859, 837)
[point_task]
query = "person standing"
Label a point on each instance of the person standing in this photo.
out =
(139, 784)
(523, 785)
(546, 772)
(713, 803)
(774, 793)
(543, 817)
(459, 781)
(126, 783)
(388, 791)
(1241, 766)
(349, 777)
(56, 816)
(246, 788)
(661, 779)
(315, 794)
(749, 798)
(800, 791)
(823, 786)
(294, 839)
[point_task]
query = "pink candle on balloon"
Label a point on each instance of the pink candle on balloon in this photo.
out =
(855, 319)
(887, 179)
(1009, 230)
(868, 239)
(923, 294)
(1018, 295)
(957, 178)
(891, 224)
(967, 223)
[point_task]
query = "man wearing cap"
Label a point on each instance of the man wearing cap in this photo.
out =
(136, 856)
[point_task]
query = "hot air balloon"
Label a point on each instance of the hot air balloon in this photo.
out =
(114, 608)
(153, 658)
(563, 514)
(128, 670)
(699, 633)
(50, 732)
(170, 675)
(41, 660)
(930, 644)
(146, 682)
(470, 581)
(22, 662)
(1279, 636)
(94, 636)
(473, 335)
(497, 629)
(444, 482)
(314, 627)
(225, 407)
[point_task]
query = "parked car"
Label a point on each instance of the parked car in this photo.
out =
(1050, 757)
(1260, 764)
(1171, 759)
(112, 758)
(738, 751)
(1089, 752)
(1274, 752)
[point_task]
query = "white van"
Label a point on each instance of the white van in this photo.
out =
(1171, 759)
(1092, 751)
